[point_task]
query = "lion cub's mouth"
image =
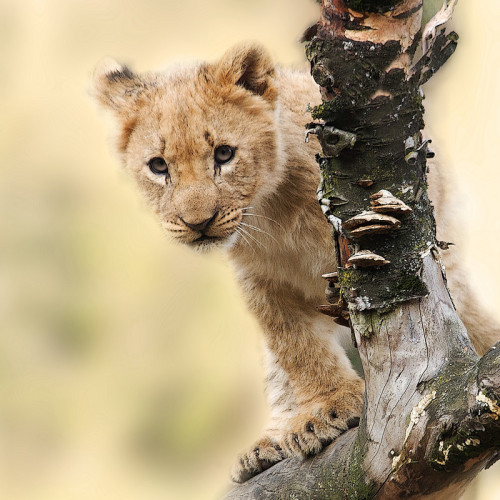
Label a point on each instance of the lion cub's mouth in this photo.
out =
(204, 237)
(220, 230)
(205, 241)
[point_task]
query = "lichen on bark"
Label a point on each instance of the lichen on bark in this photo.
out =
(384, 110)
(473, 403)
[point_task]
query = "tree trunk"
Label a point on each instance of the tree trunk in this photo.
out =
(431, 417)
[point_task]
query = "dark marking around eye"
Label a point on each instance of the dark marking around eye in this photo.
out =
(209, 139)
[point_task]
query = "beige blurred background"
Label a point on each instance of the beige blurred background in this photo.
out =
(129, 368)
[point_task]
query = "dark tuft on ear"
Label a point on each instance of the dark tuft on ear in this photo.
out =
(116, 87)
(249, 66)
(124, 73)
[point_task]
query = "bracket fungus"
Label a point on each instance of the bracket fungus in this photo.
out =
(332, 277)
(366, 258)
(366, 183)
(386, 203)
(333, 310)
(337, 311)
(369, 222)
(336, 307)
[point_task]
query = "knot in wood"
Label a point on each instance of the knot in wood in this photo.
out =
(333, 140)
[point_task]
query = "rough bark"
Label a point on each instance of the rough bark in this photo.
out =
(431, 420)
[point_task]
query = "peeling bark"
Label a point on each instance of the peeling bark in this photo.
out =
(432, 416)
(431, 419)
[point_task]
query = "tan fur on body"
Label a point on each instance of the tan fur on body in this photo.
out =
(261, 207)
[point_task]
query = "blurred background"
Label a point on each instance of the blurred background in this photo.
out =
(129, 367)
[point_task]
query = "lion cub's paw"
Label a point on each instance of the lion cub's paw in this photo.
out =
(323, 420)
(264, 453)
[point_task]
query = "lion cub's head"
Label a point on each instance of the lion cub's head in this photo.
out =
(201, 141)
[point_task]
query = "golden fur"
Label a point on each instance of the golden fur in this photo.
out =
(261, 208)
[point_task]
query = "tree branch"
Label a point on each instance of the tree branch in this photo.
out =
(431, 420)
(432, 427)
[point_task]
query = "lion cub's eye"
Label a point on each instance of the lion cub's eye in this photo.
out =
(158, 166)
(223, 154)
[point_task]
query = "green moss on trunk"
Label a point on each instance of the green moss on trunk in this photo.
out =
(389, 151)
(474, 419)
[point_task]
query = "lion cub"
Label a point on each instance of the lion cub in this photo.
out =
(218, 151)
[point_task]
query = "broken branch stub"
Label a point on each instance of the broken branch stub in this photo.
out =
(333, 140)
(439, 19)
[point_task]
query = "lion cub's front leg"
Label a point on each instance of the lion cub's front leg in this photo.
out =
(315, 394)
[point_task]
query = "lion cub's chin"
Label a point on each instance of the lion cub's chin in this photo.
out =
(208, 243)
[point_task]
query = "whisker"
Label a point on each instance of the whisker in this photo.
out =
(264, 217)
(252, 237)
(246, 241)
(259, 230)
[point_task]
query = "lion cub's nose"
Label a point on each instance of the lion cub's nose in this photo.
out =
(200, 226)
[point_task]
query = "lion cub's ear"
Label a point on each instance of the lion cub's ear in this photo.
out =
(116, 87)
(249, 66)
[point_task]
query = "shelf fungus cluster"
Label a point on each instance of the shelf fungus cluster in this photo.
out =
(336, 308)
(382, 217)
(375, 221)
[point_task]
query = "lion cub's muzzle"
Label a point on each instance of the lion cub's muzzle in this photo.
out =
(203, 228)
(216, 229)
